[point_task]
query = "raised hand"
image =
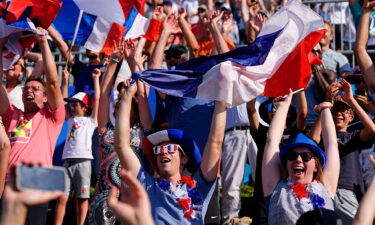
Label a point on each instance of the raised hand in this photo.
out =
(170, 24)
(129, 48)
(65, 75)
(135, 206)
(41, 35)
(323, 105)
(332, 90)
(139, 59)
(96, 73)
(118, 53)
(256, 22)
(158, 13)
(182, 13)
(281, 100)
(128, 89)
(368, 5)
(216, 17)
(348, 93)
(228, 25)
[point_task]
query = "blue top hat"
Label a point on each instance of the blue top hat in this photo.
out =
(302, 141)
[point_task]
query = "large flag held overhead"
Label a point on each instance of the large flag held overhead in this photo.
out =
(18, 22)
(277, 60)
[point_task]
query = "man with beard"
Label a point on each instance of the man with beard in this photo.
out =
(34, 131)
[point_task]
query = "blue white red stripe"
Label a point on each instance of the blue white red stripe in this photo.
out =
(135, 24)
(97, 34)
(18, 24)
(276, 61)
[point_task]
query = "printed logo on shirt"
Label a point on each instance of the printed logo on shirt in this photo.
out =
(22, 132)
(75, 127)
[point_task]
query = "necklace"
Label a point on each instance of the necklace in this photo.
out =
(304, 191)
(179, 192)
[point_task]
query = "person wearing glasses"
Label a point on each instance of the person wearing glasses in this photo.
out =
(186, 181)
(350, 187)
(311, 173)
(34, 131)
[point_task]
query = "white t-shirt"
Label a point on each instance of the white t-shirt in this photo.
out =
(79, 138)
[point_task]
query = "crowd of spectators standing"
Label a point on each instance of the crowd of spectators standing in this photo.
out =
(311, 153)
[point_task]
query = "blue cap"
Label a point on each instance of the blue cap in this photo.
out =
(302, 141)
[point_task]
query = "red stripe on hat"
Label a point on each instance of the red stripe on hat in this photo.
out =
(147, 146)
(115, 33)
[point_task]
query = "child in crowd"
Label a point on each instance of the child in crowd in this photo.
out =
(77, 153)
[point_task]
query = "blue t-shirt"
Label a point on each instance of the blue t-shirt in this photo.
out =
(83, 77)
(193, 116)
(164, 205)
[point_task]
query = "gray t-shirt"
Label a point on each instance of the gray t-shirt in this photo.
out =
(284, 207)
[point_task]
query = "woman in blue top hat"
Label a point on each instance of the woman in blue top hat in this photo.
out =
(311, 174)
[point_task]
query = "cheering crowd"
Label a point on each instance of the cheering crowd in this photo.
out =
(311, 152)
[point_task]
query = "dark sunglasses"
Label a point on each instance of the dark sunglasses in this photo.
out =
(306, 156)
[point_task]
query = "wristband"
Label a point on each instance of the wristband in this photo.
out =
(325, 107)
(114, 60)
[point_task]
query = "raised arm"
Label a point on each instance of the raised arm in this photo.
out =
(331, 171)
(253, 116)
(170, 26)
(366, 211)
(271, 170)
(213, 24)
(127, 157)
(364, 60)
(212, 151)
(61, 44)
(36, 58)
(54, 96)
(95, 76)
(106, 86)
(368, 132)
(64, 90)
(301, 111)
(4, 155)
(3, 93)
(188, 33)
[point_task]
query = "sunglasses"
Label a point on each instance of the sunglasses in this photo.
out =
(171, 148)
(306, 156)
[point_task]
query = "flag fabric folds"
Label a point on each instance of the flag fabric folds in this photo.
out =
(276, 61)
(98, 34)
(18, 22)
(99, 26)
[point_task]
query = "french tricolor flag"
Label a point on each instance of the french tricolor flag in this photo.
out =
(99, 27)
(98, 34)
(280, 58)
(18, 22)
(135, 24)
